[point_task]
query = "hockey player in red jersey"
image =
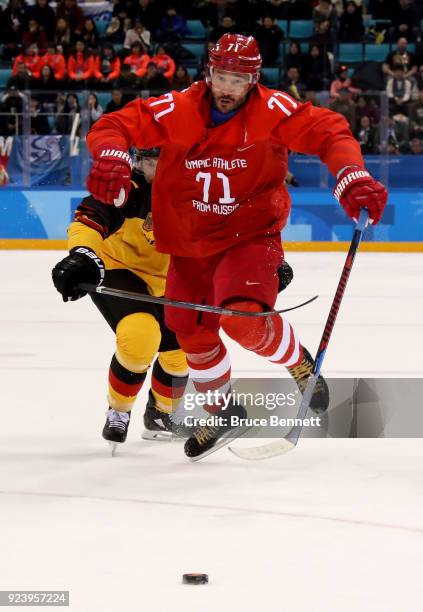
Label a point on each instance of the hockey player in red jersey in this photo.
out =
(219, 204)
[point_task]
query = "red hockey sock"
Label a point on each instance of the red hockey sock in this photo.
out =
(272, 337)
(211, 372)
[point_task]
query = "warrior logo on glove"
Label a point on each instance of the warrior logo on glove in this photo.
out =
(357, 189)
(110, 176)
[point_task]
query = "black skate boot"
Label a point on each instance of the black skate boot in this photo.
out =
(209, 438)
(160, 425)
(300, 373)
(115, 429)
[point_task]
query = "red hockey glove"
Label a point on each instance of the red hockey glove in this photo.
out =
(357, 189)
(109, 179)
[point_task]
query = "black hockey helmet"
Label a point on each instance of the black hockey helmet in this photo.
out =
(138, 154)
(153, 152)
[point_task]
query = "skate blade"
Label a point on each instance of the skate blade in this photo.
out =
(223, 441)
(114, 446)
(157, 436)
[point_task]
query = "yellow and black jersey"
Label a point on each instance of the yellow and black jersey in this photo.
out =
(123, 237)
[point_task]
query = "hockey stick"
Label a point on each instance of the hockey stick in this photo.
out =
(141, 297)
(279, 447)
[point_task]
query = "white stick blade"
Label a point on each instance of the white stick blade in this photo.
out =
(267, 451)
(120, 200)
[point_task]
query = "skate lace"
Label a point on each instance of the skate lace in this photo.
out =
(301, 372)
(301, 375)
(117, 420)
(206, 433)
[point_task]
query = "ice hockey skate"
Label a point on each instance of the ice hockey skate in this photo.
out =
(300, 373)
(222, 428)
(115, 429)
(160, 426)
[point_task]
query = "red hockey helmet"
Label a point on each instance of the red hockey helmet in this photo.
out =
(236, 53)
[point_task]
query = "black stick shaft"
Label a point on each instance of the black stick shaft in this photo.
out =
(141, 297)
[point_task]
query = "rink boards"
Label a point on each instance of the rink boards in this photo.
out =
(38, 218)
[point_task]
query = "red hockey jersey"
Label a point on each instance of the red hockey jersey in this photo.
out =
(217, 186)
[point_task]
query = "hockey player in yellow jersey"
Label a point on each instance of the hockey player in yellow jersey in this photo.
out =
(117, 245)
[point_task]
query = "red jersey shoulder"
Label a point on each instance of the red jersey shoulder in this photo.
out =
(179, 112)
(266, 109)
(276, 100)
(175, 101)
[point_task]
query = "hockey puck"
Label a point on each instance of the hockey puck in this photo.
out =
(195, 579)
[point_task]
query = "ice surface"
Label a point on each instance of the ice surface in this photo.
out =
(335, 525)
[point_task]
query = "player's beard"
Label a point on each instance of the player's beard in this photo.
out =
(227, 103)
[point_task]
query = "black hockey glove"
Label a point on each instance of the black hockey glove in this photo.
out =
(82, 265)
(286, 274)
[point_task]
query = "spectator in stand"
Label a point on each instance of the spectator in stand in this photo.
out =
(381, 9)
(93, 109)
(402, 56)
(278, 9)
(398, 90)
(164, 62)
(342, 82)
(122, 8)
(116, 103)
(33, 35)
(106, 66)
(14, 19)
(226, 26)
(45, 87)
(117, 30)
(351, 28)
(324, 36)
(324, 11)
(366, 107)
(127, 79)
(138, 34)
(90, 34)
(416, 117)
(138, 60)
(397, 137)
(248, 14)
(31, 59)
(343, 105)
(67, 109)
(181, 79)
(213, 12)
(80, 66)
(114, 31)
(293, 84)
(366, 136)
(154, 80)
(72, 13)
(269, 36)
(416, 147)
(404, 20)
(55, 59)
(21, 79)
(45, 16)
(173, 27)
(39, 121)
(11, 102)
(317, 70)
(146, 12)
(302, 9)
(62, 35)
(294, 58)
